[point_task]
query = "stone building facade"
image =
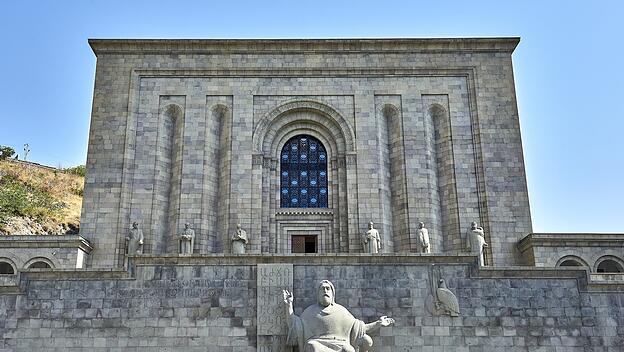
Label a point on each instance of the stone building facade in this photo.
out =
(414, 130)
(303, 143)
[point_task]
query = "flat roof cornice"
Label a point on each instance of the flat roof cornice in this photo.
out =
(298, 46)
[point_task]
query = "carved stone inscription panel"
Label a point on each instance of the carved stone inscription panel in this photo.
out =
(271, 318)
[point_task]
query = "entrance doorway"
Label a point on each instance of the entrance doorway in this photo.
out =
(304, 244)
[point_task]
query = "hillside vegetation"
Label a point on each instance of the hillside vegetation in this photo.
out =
(39, 200)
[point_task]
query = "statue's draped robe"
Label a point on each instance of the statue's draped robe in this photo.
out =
(423, 235)
(476, 241)
(187, 241)
(372, 241)
(325, 329)
(239, 240)
(136, 235)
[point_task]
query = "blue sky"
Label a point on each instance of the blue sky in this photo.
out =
(568, 71)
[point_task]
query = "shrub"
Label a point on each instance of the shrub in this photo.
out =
(6, 152)
(17, 199)
(79, 170)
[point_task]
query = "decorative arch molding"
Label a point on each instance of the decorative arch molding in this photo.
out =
(574, 258)
(51, 262)
(172, 110)
(612, 258)
(319, 132)
(445, 194)
(334, 228)
(9, 262)
(216, 165)
(324, 114)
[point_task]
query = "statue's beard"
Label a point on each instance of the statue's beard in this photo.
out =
(325, 300)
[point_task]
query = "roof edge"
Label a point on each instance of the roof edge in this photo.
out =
(401, 45)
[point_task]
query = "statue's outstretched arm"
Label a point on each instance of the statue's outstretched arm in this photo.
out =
(382, 321)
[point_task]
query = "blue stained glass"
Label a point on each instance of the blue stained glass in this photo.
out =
(303, 170)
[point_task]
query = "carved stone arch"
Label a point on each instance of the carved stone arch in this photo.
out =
(390, 110)
(436, 110)
(172, 110)
(214, 234)
(331, 117)
(611, 259)
(165, 216)
(394, 208)
(318, 131)
(11, 263)
(330, 225)
(572, 258)
(52, 262)
(219, 108)
(445, 196)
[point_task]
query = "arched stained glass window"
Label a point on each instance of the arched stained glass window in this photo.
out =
(303, 173)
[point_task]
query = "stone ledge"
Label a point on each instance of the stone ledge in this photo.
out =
(9, 284)
(571, 240)
(75, 274)
(314, 259)
(301, 46)
(587, 282)
(303, 211)
(39, 241)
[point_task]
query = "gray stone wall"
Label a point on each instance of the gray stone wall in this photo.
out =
(132, 173)
(59, 252)
(183, 304)
(586, 249)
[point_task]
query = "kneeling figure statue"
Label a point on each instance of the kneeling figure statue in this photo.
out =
(328, 326)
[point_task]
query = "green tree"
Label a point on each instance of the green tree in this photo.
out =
(6, 152)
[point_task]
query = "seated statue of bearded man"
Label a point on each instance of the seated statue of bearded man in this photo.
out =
(328, 326)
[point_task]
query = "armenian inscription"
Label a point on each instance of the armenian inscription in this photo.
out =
(272, 327)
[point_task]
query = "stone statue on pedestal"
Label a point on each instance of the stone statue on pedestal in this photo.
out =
(475, 241)
(134, 240)
(187, 240)
(423, 238)
(327, 326)
(371, 240)
(239, 240)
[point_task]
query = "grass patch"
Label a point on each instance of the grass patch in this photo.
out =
(50, 197)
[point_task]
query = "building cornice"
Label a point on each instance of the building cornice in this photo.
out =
(38, 241)
(571, 240)
(303, 46)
